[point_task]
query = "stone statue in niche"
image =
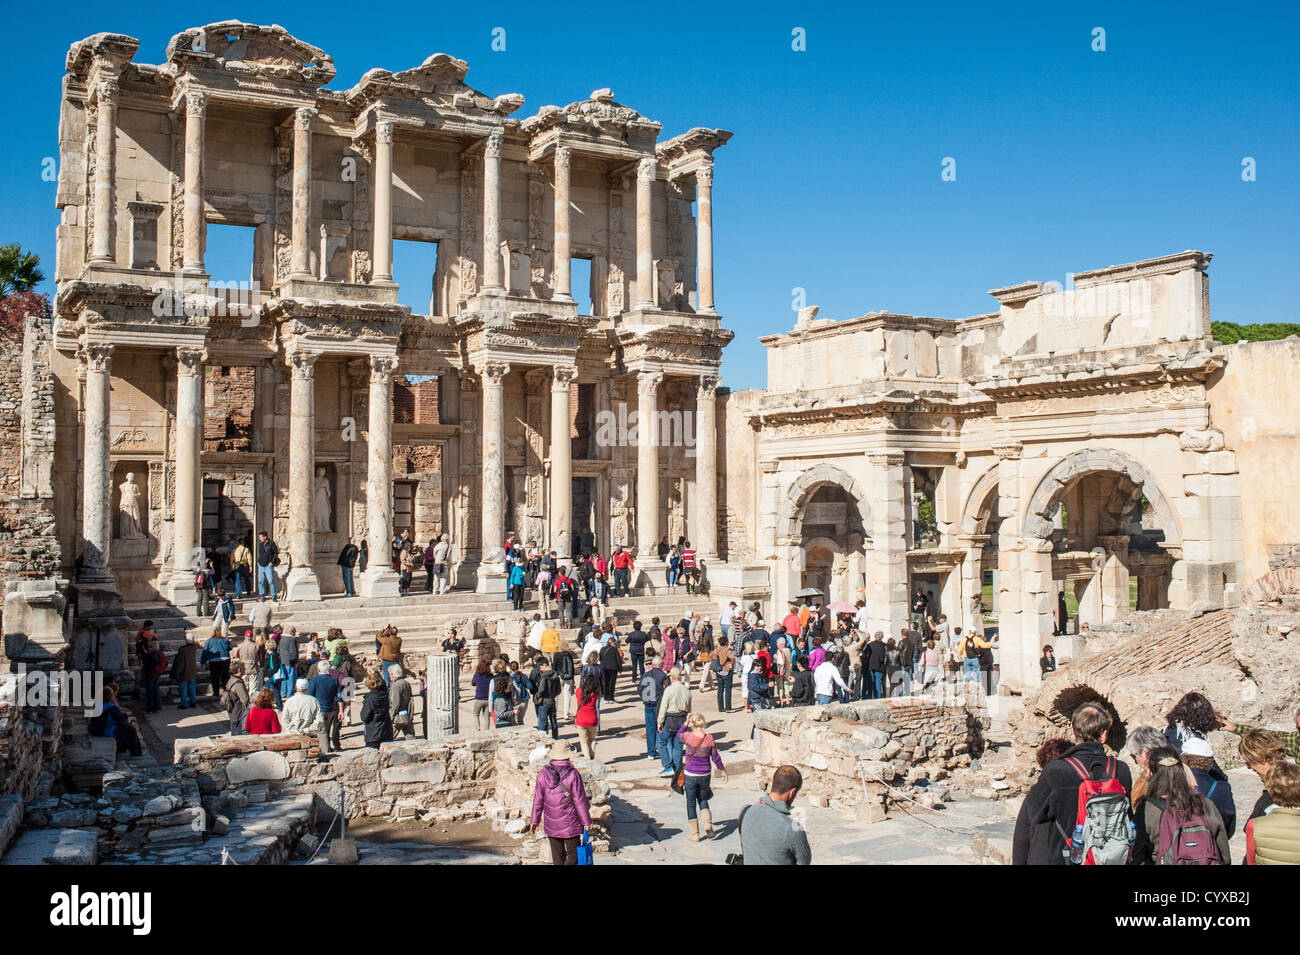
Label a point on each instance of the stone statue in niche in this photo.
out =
(128, 519)
(676, 514)
(324, 503)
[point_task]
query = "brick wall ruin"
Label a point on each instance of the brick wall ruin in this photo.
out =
(861, 758)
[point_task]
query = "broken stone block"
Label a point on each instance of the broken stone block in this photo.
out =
(344, 852)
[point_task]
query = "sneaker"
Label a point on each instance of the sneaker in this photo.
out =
(667, 773)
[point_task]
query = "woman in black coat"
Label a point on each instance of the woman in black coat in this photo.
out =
(374, 712)
(611, 661)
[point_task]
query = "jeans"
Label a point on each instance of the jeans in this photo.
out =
(651, 733)
(239, 584)
(670, 750)
(188, 692)
(878, 684)
(672, 577)
(697, 791)
(970, 670)
(349, 589)
(152, 695)
(546, 719)
(724, 691)
(620, 583)
(638, 667)
(823, 699)
(266, 581)
(386, 664)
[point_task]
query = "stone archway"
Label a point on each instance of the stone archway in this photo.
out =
(975, 515)
(1274, 586)
(795, 533)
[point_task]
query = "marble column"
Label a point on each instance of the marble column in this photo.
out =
(704, 235)
(96, 478)
(105, 247)
(562, 378)
(300, 260)
(647, 464)
(492, 212)
(187, 552)
(301, 583)
(705, 531)
(194, 224)
(442, 694)
(645, 177)
(379, 579)
(383, 234)
(887, 594)
(563, 236)
(1114, 577)
(493, 502)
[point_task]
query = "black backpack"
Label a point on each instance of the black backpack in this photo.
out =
(972, 651)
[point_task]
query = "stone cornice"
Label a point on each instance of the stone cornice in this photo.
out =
(1055, 375)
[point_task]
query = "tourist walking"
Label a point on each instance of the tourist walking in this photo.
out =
(674, 706)
(562, 664)
(518, 580)
(481, 681)
(699, 756)
(546, 693)
(724, 669)
(241, 563)
(185, 673)
(587, 719)
(374, 713)
(636, 643)
(234, 699)
(325, 687)
(216, 655)
(399, 703)
(650, 689)
(611, 661)
(224, 611)
(768, 835)
(560, 805)
(301, 711)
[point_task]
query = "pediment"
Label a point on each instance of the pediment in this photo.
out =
(251, 48)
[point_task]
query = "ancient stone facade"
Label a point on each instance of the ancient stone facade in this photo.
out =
(1073, 439)
(192, 411)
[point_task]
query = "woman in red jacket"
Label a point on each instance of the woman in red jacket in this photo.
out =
(261, 718)
(586, 718)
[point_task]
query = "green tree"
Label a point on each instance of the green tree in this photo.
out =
(19, 271)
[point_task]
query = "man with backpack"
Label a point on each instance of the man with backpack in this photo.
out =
(546, 691)
(651, 688)
(969, 650)
(1079, 809)
(562, 665)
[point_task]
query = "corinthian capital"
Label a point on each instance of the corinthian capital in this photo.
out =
(190, 360)
(645, 169)
(492, 147)
(563, 156)
(704, 176)
(98, 356)
(303, 363)
(707, 387)
(382, 366)
(196, 102)
(492, 372)
(384, 132)
(648, 382)
(562, 376)
(106, 92)
(303, 118)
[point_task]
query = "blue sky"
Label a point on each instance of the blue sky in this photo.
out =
(1066, 159)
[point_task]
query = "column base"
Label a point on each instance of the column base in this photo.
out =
(180, 590)
(491, 579)
(301, 584)
(379, 582)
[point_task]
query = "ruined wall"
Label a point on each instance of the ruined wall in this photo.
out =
(1256, 404)
(737, 459)
(852, 755)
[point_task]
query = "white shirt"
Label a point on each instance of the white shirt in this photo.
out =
(724, 618)
(860, 620)
(535, 634)
(825, 676)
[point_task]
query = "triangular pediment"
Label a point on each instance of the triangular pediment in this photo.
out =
(249, 47)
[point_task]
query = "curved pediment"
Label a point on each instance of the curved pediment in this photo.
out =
(249, 47)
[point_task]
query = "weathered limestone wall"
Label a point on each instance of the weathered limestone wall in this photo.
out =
(1256, 404)
(853, 755)
(737, 466)
(30, 741)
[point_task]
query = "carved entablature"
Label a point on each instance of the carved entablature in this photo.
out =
(251, 50)
(678, 350)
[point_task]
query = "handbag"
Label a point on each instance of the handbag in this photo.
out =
(738, 858)
(586, 855)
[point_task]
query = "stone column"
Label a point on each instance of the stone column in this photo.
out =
(492, 562)
(887, 595)
(380, 580)
(704, 235)
(1114, 577)
(442, 694)
(492, 213)
(187, 552)
(194, 223)
(647, 464)
(383, 235)
(105, 248)
(563, 377)
(303, 118)
(563, 238)
(96, 478)
(645, 177)
(301, 582)
(705, 533)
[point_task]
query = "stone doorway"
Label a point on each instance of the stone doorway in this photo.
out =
(819, 562)
(586, 530)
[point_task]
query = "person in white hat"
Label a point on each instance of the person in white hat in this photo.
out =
(301, 712)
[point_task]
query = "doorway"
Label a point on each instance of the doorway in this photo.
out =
(585, 523)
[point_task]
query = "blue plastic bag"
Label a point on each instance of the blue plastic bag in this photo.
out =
(585, 854)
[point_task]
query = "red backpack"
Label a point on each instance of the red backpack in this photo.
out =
(1103, 822)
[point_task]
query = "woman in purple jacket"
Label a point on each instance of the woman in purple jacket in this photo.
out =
(561, 799)
(700, 755)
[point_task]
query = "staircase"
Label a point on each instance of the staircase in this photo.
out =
(421, 619)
